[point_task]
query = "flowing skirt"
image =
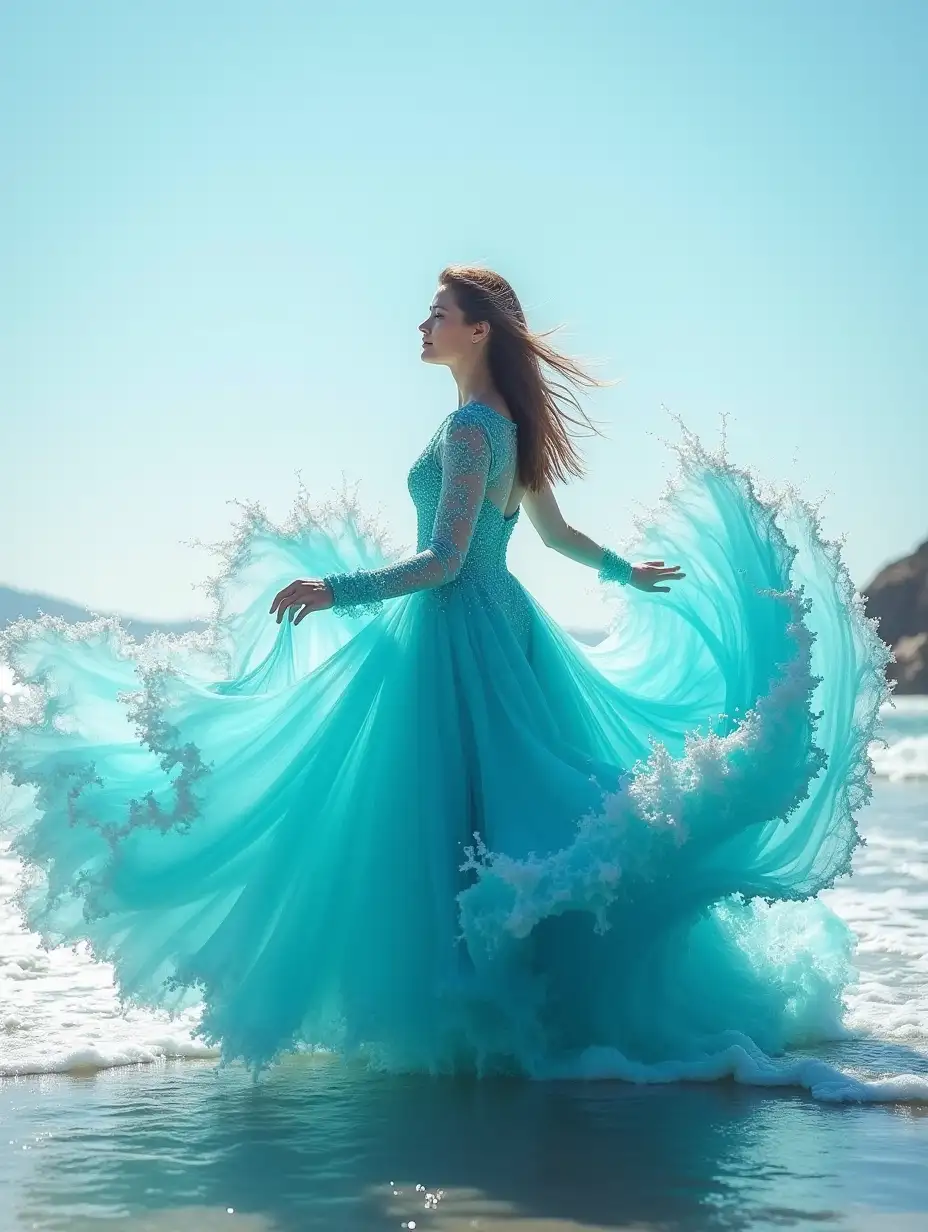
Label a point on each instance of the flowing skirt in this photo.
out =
(449, 845)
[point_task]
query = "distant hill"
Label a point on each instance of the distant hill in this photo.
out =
(898, 598)
(16, 603)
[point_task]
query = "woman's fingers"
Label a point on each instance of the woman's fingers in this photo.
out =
(298, 592)
(282, 594)
(306, 601)
(297, 600)
(311, 600)
(286, 608)
(655, 576)
(669, 577)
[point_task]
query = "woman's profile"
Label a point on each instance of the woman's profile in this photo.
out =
(410, 816)
(476, 327)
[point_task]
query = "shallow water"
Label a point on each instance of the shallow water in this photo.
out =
(90, 1139)
(320, 1145)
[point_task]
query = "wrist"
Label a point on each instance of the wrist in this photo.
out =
(350, 593)
(615, 568)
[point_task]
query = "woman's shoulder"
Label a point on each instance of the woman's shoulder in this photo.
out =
(468, 425)
(493, 424)
(482, 415)
(476, 426)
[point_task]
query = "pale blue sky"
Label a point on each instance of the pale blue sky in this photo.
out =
(221, 224)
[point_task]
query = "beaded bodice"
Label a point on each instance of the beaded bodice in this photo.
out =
(491, 529)
(460, 485)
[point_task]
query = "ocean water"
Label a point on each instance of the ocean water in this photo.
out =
(113, 1120)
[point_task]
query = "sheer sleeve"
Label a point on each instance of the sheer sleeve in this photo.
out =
(465, 466)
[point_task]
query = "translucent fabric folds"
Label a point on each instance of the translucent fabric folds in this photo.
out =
(449, 836)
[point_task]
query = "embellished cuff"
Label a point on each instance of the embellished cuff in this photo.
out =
(352, 593)
(615, 568)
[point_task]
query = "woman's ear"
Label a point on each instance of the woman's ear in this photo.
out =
(481, 331)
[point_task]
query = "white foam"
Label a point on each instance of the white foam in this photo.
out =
(915, 704)
(59, 1012)
(93, 1058)
(8, 687)
(902, 751)
(741, 1061)
(903, 759)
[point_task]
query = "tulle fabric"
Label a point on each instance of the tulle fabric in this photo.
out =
(426, 837)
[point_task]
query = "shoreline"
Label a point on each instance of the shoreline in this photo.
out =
(180, 1145)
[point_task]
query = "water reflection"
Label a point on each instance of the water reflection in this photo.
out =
(316, 1144)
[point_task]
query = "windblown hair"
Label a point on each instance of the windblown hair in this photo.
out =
(544, 409)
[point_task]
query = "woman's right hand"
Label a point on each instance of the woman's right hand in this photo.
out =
(307, 595)
(648, 576)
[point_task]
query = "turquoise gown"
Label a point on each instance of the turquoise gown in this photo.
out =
(429, 826)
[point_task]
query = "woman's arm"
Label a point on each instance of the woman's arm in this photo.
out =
(545, 515)
(465, 465)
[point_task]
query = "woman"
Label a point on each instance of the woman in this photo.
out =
(446, 834)
(471, 308)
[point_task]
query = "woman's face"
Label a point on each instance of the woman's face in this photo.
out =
(446, 336)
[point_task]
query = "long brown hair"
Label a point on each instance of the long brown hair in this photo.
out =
(544, 409)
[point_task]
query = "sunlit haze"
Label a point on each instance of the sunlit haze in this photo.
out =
(223, 223)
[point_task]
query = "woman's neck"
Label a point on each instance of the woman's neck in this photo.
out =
(476, 386)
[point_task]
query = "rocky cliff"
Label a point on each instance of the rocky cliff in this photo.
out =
(898, 598)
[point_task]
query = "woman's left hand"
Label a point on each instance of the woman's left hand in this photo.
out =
(308, 594)
(653, 575)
